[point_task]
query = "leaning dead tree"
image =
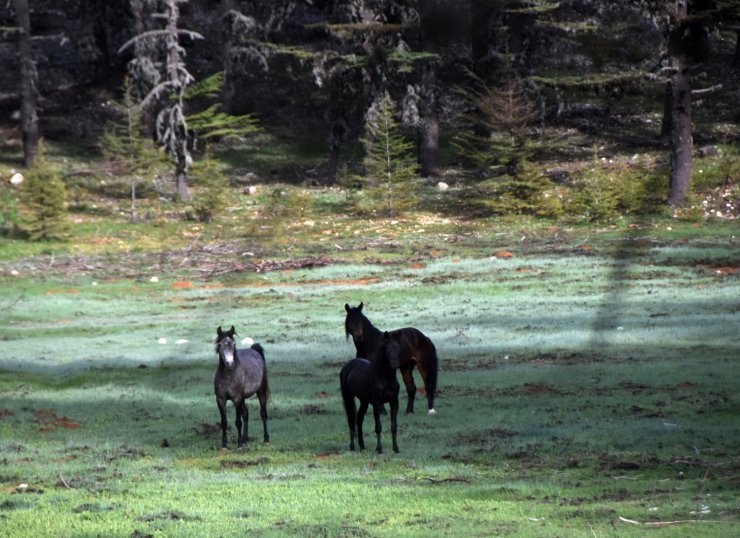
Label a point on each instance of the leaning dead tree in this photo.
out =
(169, 81)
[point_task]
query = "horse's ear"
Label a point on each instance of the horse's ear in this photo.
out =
(346, 307)
(219, 331)
(360, 307)
(232, 331)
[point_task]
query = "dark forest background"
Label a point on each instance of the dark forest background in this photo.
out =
(506, 98)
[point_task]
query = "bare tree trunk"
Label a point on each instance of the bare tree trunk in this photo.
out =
(429, 124)
(681, 139)
(29, 117)
(336, 136)
(333, 165)
(666, 126)
(429, 146)
(181, 175)
(680, 106)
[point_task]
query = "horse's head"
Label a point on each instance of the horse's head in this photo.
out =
(390, 350)
(226, 346)
(354, 323)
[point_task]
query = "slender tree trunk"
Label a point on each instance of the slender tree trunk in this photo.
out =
(681, 139)
(181, 168)
(481, 15)
(736, 58)
(29, 117)
(679, 47)
(429, 146)
(333, 165)
(429, 125)
(666, 126)
(428, 113)
(336, 136)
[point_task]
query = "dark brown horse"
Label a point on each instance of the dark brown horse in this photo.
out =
(373, 382)
(415, 350)
(240, 374)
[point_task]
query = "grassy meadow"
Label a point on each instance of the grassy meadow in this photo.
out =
(588, 384)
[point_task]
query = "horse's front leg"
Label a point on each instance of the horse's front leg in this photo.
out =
(243, 412)
(221, 403)
(378, 426)
(360, 418)
(408, 380)
(239, 405)
(263, 415)
(394, 421)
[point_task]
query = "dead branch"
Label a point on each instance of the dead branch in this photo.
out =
(64, 482)
(440, 480)
(667, 523)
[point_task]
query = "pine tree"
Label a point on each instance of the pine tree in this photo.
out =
(390, 165)
(497, 127)
(211, 182)
(45, 201)
(126, 148)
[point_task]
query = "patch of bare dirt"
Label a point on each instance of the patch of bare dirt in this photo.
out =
(50, 421)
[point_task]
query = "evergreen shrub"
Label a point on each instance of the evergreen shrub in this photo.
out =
(528, 192)
(211, 187)
(45, 202)
(606, 191)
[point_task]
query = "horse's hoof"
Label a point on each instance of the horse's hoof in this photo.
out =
(432, 411)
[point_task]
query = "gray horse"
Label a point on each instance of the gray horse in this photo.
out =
(240, 373)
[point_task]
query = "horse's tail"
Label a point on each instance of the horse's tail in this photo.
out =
(259, 349)
(431, 365)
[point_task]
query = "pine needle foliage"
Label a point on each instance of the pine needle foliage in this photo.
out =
(497, 125)
(211, 184)
(528, 192)
(126, 150)
(212, 123)
(45, 202)
(390, 163)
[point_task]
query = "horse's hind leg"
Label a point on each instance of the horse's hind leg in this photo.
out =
(427, 363)
(262, 396)
(221, 403)
(351, 412)
(360, 418)
(378, 426)
(408, 380)
(394, 422)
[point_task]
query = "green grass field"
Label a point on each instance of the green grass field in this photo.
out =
(588, 387)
